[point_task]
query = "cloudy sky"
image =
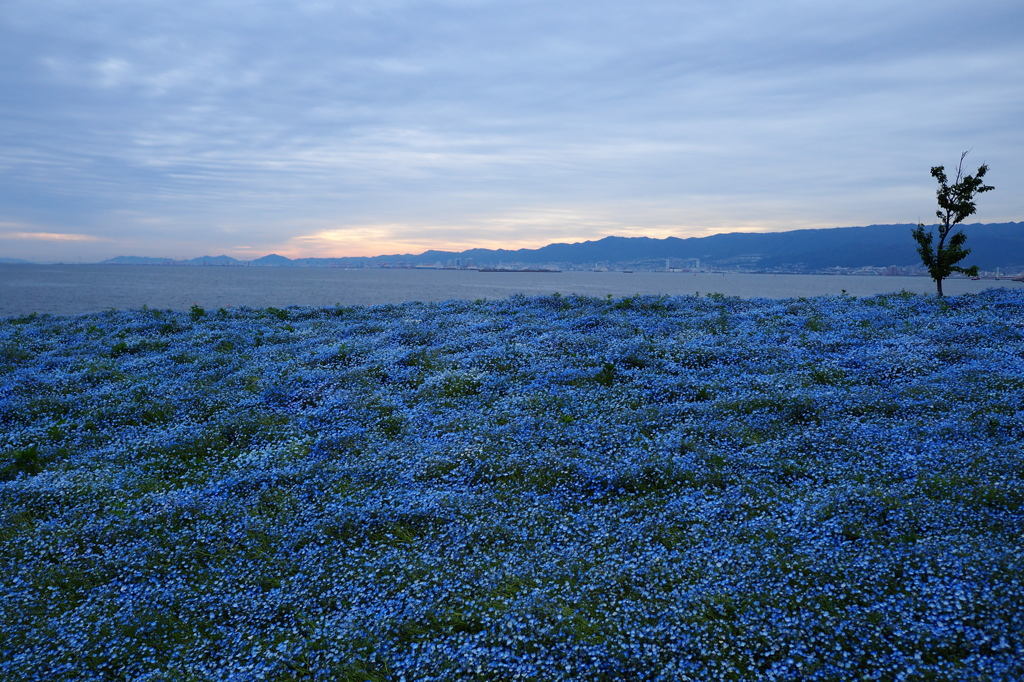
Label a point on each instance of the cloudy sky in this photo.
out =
(360, 127)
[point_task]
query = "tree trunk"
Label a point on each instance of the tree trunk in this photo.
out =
(938, 284)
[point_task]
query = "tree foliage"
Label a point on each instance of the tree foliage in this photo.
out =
(956, 202)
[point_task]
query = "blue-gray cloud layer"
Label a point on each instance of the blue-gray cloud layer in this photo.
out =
(191, 124)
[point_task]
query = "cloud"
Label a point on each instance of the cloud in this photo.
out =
(191, 122)
(50, 236)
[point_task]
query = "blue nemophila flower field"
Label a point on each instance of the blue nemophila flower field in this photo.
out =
(553, 488)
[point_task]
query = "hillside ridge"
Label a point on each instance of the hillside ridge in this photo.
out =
(993, 246)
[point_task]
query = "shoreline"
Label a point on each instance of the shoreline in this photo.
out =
(69, 290)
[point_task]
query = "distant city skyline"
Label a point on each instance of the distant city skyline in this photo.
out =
(315, 129)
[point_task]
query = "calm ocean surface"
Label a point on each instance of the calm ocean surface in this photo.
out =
(74, 289)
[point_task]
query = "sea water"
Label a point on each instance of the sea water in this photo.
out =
(74, 289)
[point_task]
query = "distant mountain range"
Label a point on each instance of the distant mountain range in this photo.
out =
(992, 246)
